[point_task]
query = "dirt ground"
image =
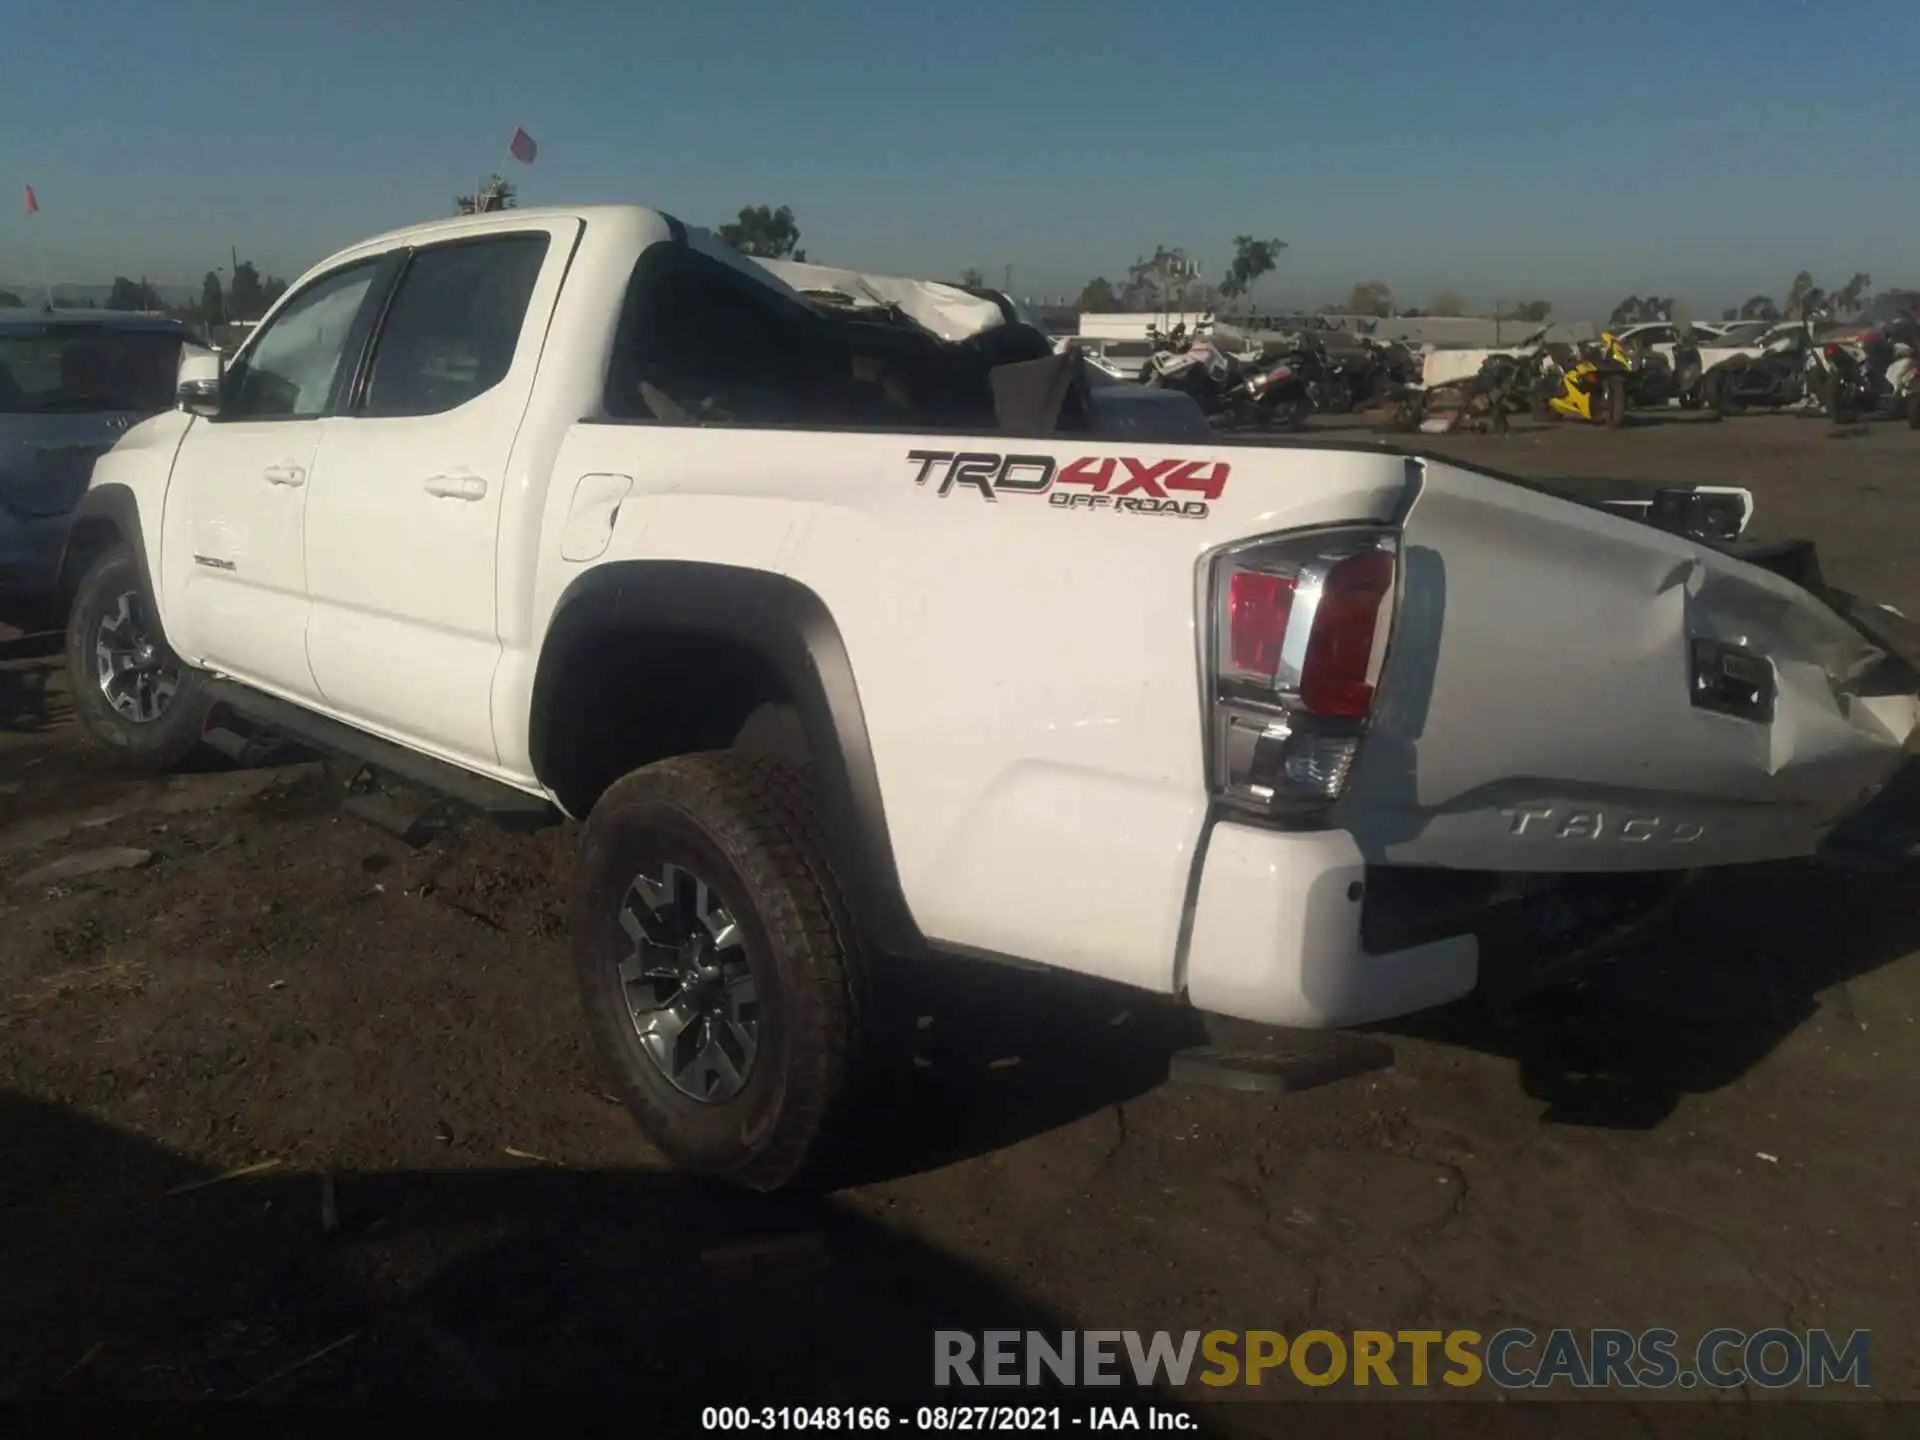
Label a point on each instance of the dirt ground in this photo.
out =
(443, 1201)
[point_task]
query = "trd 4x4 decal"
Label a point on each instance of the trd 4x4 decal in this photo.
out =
(1103, 482)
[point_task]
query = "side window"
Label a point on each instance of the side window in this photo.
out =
(705, 349)
(288, 371)
(454, 324)
(704, 346)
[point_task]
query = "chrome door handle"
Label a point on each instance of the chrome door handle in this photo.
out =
(285, 475)
(457, 487)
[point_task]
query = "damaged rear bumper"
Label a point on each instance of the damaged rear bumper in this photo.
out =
(1568, 692)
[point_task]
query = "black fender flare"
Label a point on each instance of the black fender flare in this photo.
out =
(109, 507)
(789, 627)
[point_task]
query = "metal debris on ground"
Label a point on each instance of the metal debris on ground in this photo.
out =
(528, 1155)
(259, 1167)
(301, 1364)
(85, 1360)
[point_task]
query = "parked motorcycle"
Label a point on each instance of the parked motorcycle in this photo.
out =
(1592, 388)
(1232, 393)
(1656, 381)
(1280, 396)
(1788, 372)
(1863, 373)
(1200, 370)
(1480, 403)
(1355, 376)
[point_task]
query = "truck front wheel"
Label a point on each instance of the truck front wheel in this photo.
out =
(133, 696)
(718, 965)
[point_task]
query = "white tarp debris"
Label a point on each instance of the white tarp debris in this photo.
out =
(1443, 367)
(946, 310)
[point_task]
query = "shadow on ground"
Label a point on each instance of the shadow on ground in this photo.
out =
(29, 700)
(128, 1275)
(1748, 957)
(991, 1056)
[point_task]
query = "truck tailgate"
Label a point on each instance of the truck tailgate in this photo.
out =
(1569, 690)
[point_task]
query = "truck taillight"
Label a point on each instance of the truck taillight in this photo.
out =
(1298, 631)
(1258, 606)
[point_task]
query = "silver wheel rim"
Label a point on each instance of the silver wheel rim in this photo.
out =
(136, 674)
(688, 985)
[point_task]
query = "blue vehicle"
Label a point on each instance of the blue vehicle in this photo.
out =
(72, 382)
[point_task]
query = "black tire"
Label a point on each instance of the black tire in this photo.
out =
(1287, 413)
(1719, 396)
(1913, 410)
(112, 597)
(745, 826)
(1614, 402)
(1542, 403)
(1834, 398)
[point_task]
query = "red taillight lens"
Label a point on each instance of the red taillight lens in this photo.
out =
(1336, 678)
(1258, 607)
(1833, 352)
(1299, 622)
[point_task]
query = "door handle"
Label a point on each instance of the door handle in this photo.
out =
(457, 487)
(285, 475)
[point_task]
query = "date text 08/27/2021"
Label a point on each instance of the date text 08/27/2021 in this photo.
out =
(943, 1419)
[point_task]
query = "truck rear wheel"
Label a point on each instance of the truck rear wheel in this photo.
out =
(718, 965)
(134, 697)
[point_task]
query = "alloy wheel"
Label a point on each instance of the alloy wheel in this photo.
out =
(137, 675)
(688, 984)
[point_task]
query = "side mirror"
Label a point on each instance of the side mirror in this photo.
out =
(199, 384)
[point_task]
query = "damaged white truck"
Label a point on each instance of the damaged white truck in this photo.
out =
(855, 624)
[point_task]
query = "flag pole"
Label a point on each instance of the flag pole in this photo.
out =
(46, 279)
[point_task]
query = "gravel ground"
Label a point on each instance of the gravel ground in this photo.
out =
(442, 1201)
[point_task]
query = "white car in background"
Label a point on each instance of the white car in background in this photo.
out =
(1749, 337)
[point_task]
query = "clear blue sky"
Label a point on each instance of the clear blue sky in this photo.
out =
(1497, 149)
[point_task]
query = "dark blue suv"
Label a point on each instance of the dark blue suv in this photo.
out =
(72, 382)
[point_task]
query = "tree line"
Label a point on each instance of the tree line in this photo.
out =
(1804, 298)
(1170, 278)
(249, 296)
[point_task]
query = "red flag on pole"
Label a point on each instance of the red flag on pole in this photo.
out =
(33, 203)
(521, 147)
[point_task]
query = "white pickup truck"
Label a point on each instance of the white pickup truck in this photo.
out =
(858, 631)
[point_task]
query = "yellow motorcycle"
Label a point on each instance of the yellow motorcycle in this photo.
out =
(1593, 388)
